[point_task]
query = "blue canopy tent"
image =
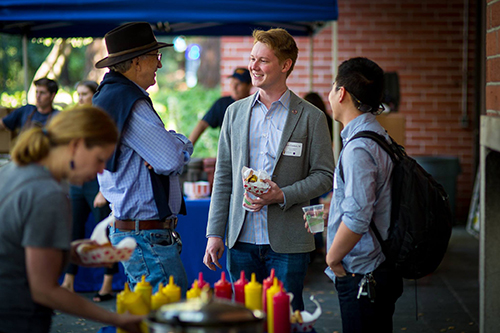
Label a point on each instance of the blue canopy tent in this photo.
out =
(93, 18)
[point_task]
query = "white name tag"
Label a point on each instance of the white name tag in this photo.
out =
(293, 149)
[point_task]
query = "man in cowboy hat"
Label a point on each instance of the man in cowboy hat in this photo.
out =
(141, 180)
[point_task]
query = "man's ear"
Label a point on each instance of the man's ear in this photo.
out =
(286, 65)
(342, 94)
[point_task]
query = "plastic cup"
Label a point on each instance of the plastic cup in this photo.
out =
(314, 217)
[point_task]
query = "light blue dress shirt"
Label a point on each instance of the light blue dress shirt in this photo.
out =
(266, 128)
(365, 195)
(145, 139)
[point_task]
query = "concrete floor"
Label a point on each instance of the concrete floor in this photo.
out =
(448, 299)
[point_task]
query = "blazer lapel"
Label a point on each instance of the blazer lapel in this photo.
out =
(245, 114)
(294, 113)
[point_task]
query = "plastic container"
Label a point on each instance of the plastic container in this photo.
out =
(314, 217)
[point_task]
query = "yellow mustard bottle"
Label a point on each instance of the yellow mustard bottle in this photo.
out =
(120, 306)
(135, 304)
(159, 298)
(172, 291)
(253, 294)
(145, 289)
(275, 288)
(194, 292)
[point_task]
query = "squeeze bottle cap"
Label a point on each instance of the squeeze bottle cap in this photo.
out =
(223, 288)
(201, 282)
(193, 292)
(172, 291)
(242, 280)
(143, 282)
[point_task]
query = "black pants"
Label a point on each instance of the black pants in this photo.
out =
(361, 315)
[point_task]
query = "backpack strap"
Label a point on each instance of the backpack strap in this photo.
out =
(395, 151)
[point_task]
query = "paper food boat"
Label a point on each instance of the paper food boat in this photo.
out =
(104, 252)
(308, 319)
(257, 187)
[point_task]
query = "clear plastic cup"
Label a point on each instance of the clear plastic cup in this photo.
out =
(314, 217)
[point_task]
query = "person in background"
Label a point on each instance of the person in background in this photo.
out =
(86, 90)
(316, 100)
(361, 197)
(276, 131)
(141, 180)
(35, 220)
(86, 199)
(240, 85)
(33, 115)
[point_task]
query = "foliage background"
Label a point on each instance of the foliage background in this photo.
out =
(179, 107)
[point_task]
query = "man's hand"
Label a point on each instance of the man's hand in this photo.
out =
(100, 200)
(214, 251)
(272, 196)
(337, 268)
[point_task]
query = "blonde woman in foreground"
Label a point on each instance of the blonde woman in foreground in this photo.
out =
(35, 220)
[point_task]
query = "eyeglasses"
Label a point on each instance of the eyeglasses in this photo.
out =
(158, 55)
(365, 107)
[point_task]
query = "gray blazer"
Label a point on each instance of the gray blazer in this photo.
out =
(301, 178)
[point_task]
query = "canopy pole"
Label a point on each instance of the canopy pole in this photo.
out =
(311, 45)
(25, 65)
(335, 63)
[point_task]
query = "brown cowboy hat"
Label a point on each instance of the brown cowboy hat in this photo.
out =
(128, 41)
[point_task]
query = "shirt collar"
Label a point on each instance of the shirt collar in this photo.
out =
(284, 99)
(357, 124)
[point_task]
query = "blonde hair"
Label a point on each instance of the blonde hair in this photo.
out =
(89, 123)
(281, 42)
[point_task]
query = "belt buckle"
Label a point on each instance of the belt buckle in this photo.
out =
(171, 223)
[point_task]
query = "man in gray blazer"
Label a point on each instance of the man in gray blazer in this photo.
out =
(276, 131)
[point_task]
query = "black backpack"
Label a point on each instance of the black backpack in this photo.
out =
(421, 219)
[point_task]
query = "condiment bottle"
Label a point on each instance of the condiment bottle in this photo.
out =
(201, 282)
(223, 288)
(281, 311)
(274, 289)
(145, 290)
(172, 291)
(239, 288)
(253, 294)
(120, 306)
(266, 284)
(194, 292)
(135, 304)
(159, 298)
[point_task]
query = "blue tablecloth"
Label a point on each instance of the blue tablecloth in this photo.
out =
(192, 229)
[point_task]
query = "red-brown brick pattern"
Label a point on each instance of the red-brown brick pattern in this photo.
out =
(421, 40)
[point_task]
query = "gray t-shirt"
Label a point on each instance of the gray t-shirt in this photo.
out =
(34, 212)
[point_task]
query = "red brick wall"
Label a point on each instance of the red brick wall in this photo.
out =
(421, 40)
(493, 58)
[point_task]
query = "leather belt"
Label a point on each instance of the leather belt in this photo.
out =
(147, 224)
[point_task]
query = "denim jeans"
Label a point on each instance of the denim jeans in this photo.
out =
(361, 315)
(290, 268)
(157, 256)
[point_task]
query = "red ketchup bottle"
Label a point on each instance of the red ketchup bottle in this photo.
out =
(266, 284)
(201, 282)
(239, 288)
(223, 288)
(281, 305)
